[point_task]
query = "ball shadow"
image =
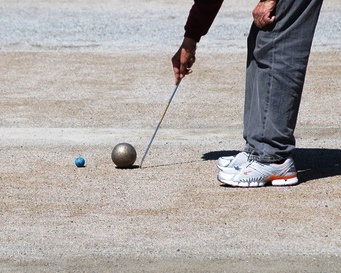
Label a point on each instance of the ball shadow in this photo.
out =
(128, 168)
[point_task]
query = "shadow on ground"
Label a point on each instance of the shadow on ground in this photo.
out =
(311, 164)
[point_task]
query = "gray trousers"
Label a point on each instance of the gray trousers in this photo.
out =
(276, 68)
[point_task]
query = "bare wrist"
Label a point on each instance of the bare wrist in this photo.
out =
(189, 44)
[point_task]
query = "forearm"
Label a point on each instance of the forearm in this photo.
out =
(201, 17)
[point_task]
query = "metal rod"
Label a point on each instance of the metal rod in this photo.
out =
(159, 124)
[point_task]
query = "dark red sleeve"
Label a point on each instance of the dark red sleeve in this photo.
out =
(201, 17)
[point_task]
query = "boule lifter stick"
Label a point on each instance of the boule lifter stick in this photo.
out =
(158, 126)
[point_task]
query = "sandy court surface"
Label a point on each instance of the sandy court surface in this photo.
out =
(76, 78)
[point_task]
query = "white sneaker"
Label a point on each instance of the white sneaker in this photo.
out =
(256, 174)
(228, 162)
(227, 174)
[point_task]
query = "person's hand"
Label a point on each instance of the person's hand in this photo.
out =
(183, 59)
(262, 13)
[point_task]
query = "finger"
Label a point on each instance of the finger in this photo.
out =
(272, 19)
(176, 74)
(176, 66)
(267, 20)
(191, 61)
(185, 71)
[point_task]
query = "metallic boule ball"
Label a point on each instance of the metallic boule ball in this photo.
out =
(123, 155)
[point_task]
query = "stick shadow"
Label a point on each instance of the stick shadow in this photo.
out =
(311, 164)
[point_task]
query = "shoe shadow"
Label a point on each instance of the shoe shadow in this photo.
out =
(311, 164)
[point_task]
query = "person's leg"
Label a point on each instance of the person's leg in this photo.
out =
(276, 68)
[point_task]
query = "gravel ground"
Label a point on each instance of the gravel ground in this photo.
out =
(78, 77)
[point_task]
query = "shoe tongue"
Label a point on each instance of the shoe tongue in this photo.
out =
(240, 159)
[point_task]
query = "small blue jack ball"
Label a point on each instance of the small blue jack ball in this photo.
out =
(80, 161)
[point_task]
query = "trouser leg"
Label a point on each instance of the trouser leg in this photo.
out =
(276, 67)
